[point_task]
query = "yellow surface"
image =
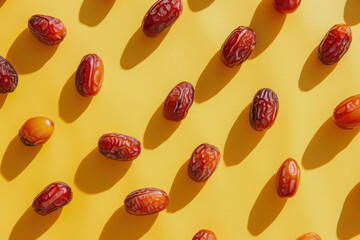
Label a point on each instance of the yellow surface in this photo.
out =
(239, 200)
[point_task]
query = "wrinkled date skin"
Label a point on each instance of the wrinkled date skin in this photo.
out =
(288, 178)
(54, 196)
(203, 162)
(238, 46)
(335, 44)
(47, 29)
(146, 201)
(119, 147)
(89, 75)
(178, 102)
(309, 236)
(264, 109)
(160, 16)
(347, 114)
(204, 235)
(286, 6)
(36, 131)
(8, 76)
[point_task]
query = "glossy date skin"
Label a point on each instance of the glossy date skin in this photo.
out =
(309, 236)
(205, 235)
(146, 201)
(47, 29)
(263, 109)
(347, 114)
(238, 46)
(288, 178)
(119, 147)
(286, 6)
(54, 196)
(89, 75)
(335, 44)
(179, 101)
(36, 131)
(203, 162)
(8, 76)
(160, 16)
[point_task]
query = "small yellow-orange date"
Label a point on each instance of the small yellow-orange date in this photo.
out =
(36, 131)
(309, 236)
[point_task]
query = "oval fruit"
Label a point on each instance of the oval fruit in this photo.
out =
(347, 114)
(286, 6)
(204, 235)
(288, 178)
(8, 76)
(309, 236)
(36, 131)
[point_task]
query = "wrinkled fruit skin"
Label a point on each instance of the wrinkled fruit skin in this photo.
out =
(238, 46)
(146, 201)
(309, 236)
(286, 6)
(203, 162)
(178, 102)
(54, 196)
(89, 75)
(204, 235)
(288, 178)
(8, 76)
(47, 29)
(160, 16)
(119, 147)
(36, 131)
(335, 44)
(263, 109)
(347, 114)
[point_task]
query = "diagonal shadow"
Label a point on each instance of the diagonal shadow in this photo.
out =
(93, 12)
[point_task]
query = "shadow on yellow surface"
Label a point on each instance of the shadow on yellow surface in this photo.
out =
(2, 2)
(214, 78)
(17, 157)
(139, 48)
(327, 142)
(159, 129)
(32, 225)
(267, 23)
(93, 12)
(314, 71)
(266, 208)
(198, 5)
(71, 103)
(351, 12)
(96, 173)
(183, 189)
(3, 97)
(241, 140)
(123, 225)
(27, 54)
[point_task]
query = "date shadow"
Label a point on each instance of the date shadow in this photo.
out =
(139, 48)
(351, 12)
(241, 140)
(267, 23)
(266, 208)
(327, 142)
(3, 97)
(2, 2)
(214, 78)
(123, 225)
(96, 173)
(198, 5)
(27, 54)
(93, 12)
(17, 157)
(71, 103)
(31, 225)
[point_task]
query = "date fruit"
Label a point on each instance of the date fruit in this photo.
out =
(36, 131)
(8, 76)
(288, 178)
(263, 109)
(286, 6)
(204, 235)
(238, 46)
(335, 44)
(203, 162)
(47, 29)
(89, 75)
(146, 201)
(179, 101)
(160, 16)
(119, 147)
(309, 236)
(54, 196)
(347, 114)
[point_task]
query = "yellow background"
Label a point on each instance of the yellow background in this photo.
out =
(239, 201)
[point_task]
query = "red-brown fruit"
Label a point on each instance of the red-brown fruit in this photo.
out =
(288, 178)
(36, 131)
(204, 235)
(54, 196)
(286, 6)
(8, 76)
(347, 114)
(309, 236)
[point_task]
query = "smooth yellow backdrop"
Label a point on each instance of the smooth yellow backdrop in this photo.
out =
(239, 201)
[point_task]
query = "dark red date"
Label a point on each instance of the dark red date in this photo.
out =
(8, 76)
(286, 6)
(288, 178)
(309, 236)
(347, 114)
(204, 235)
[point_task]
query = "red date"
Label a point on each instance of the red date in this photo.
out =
(286, 6)
(146, 201)
(47, 29)
(179, 101)
(309, 236)
(347, 114)
(160, 16)
(119, 147)
(36, 131)
(8, 76)
(288, 178)
(238, 46)
(335, 44)
(54, 196)
(204, 235)
(203, 162)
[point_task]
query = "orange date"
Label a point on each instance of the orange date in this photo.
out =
(309, 236)
(205, 235)
(36, 131)
(288, 178)
(347, 114)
